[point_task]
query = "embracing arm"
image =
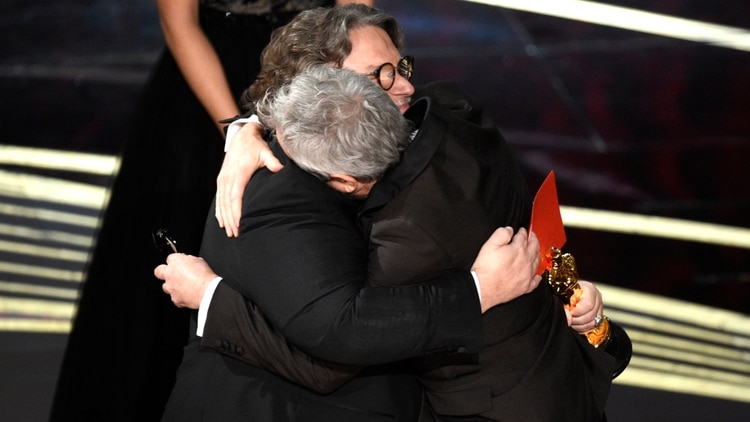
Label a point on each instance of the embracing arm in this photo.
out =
(236, 328)
(323, 306)
(247, 152)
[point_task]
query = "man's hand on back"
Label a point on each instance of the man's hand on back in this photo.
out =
(506, 266)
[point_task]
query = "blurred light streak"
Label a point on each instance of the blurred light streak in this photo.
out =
(632, 19)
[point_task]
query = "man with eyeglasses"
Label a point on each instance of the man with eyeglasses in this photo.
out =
(451, 155)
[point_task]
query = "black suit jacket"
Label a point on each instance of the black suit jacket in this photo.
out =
(302, 259)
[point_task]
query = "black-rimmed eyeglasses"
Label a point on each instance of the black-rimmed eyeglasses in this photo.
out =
(385, 75)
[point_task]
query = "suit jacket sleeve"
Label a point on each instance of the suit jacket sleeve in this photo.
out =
(335, 316)
(249, 338)
(237, 328)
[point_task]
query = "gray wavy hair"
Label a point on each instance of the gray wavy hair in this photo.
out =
(337, 121)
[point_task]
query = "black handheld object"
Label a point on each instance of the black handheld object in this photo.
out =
(164, 242)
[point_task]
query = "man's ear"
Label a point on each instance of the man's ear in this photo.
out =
(343, 183)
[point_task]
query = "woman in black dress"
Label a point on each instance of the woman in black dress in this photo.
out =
(127, 337)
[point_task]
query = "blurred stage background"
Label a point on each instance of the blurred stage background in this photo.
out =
(645, 118)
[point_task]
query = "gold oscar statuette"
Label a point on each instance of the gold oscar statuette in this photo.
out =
(562, 276)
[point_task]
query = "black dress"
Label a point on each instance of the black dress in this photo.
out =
(127, 337)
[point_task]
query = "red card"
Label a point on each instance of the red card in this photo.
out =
(546, 221)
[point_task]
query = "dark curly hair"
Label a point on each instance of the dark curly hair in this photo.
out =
(314, 37)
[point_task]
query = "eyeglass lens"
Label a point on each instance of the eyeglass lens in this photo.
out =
(386, 73)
